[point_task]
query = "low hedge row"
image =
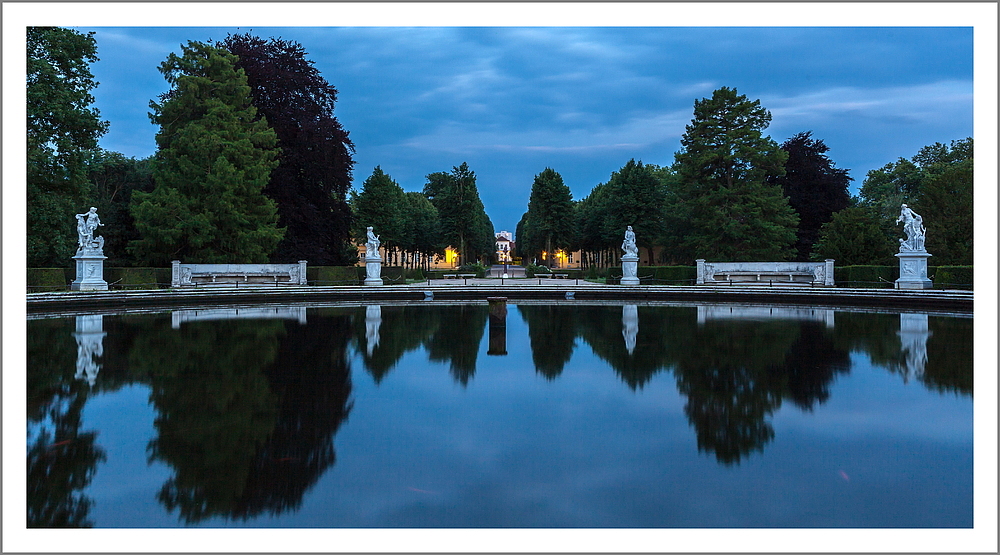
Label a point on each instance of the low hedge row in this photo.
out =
(47, 279)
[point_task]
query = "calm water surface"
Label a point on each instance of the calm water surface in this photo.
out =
(567, 416)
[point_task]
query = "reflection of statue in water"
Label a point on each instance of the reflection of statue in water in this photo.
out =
(913, 225)
(630, 326)
(86, 224)
(628, 245)
(371, 247)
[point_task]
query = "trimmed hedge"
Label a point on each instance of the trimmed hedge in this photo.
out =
(335, 275)
(865, 276)
(671, 275)
(47, 279)
(951, 276)
(137, 278)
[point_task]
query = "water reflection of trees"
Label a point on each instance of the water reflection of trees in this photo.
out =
(62, 459)
(247, 411)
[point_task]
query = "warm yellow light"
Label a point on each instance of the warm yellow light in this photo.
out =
(450, 255)
(544, 254)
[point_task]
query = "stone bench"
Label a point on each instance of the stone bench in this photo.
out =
(560, 276)
(759, 273)
(191, 275)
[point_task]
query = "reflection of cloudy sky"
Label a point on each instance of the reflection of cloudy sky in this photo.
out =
(511, 101)
(512, 449)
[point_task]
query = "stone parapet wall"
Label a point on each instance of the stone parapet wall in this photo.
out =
(801, 273)
(182, 275)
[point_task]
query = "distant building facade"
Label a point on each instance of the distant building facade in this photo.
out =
(505, 246)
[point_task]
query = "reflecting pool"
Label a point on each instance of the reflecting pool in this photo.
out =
(442, 415)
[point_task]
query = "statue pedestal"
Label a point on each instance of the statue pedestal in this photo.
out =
(913, 270)
(630, 269)
(373, 267)
(89, 272)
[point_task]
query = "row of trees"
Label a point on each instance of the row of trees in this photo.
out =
(734, 194)
(251, 163)
(448, 212)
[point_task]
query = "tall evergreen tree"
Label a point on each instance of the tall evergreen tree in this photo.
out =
(636, 199)
(382, 205)
(62, 133)
(215, 157)
(550, 213)
(315, 163)
(464, 223)
(734, 213)
(814, 187)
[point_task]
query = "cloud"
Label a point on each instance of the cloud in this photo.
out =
(917, 104)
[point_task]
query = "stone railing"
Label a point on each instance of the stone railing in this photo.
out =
(189, 275)
(765, 273)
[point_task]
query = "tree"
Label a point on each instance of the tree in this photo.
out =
(733, 212)
(113, 179)
(423, 227)
(62, 131)
(814, 187)
(464, 223)
(215, 157)
(381, 204)
(315, 163)
(937, 183)
(550, 213)
(636, 199)
(946, 198)
(855, 235)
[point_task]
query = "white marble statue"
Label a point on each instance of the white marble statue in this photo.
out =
(86, 224)
(371, 247)
(628, 245)
(913, 225)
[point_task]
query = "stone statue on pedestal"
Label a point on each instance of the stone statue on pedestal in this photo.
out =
(913, 225)
(630, 260)
(912, 254)
(89, 254)
(373, 262)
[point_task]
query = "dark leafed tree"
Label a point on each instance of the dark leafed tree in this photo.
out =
(814, 187)
(464, 223)
(724, 169)
(214, 159)
(550, 213)
(316, 161)
(62, 132)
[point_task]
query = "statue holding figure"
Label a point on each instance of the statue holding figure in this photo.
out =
(628, 245)
(371, 247)
(913, 226)
(86, 224)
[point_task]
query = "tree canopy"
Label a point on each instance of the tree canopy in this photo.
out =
(315, 163)
(62, 133)
(724, 169)
(549, 225)
(382, 205)
(937, 182)
(464, 223)
(215, 156)
(814, 186)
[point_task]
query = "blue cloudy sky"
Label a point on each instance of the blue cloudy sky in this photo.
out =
(512, 101)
